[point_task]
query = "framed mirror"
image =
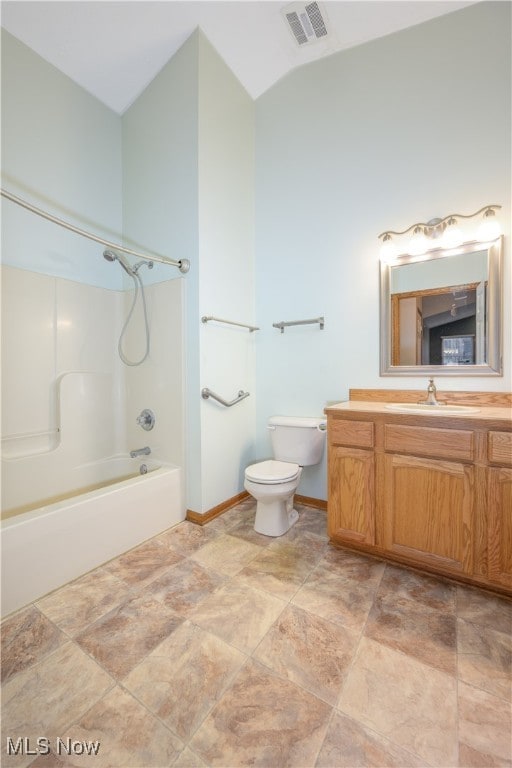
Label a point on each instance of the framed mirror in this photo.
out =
(440, 313)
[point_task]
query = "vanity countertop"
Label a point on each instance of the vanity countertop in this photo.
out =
(485, 413)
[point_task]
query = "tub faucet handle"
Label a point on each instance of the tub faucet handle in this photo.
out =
(146, 419)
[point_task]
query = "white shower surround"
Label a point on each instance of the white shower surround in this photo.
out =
(69, 423)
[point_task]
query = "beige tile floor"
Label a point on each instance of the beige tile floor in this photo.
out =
(217, 646)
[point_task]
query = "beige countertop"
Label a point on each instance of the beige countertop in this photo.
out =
(485, 413)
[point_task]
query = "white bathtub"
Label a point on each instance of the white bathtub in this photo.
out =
(44, 548)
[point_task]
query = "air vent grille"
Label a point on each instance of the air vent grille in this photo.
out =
(316, 19)
(297, 28)
(307, 22)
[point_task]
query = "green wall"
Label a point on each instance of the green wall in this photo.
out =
(61, 151)
(188, 181)
(402, 129)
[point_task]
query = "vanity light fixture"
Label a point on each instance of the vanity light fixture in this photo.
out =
(440, 234)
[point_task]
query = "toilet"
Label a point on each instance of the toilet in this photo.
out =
(296, 442)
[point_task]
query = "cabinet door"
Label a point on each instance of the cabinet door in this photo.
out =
(500, 526)
(351, 505)
(428, 511)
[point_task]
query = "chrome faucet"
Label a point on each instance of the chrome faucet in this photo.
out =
(140, 452)
(431, 394)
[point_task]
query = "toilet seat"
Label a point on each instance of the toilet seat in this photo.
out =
(272, 472)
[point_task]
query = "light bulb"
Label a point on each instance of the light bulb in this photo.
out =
(418, 243)
(452, 236)
(387, 250)
(489, 228)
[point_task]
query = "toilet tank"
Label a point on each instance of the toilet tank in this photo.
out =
(298, 439)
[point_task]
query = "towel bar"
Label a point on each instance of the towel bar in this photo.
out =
(282, 325)
(206, 393)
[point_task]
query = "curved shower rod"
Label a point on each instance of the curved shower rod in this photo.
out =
(183, 264)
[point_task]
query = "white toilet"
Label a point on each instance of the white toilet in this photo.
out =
(296, 442)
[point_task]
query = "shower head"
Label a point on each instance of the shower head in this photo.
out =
(112, 256)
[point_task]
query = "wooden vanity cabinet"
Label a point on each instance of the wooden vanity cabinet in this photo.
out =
(352, 496)
(500, 509)
(429, 495)
(352, 481)
(437, 497)
(429, 506)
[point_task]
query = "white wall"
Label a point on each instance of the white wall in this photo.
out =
(403, 129)
(61, 151)
(226, 277)
(159, 159)
(160, 213)
(188, 168)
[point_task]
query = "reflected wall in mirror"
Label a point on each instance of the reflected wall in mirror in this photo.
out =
(441, 312)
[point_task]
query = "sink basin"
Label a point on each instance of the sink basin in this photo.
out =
(438, 410)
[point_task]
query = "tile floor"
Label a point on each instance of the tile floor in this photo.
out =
(217, 646)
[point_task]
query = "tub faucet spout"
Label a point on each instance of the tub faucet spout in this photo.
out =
(431, 394)
(140, 452)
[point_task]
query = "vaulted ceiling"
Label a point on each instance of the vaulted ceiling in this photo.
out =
(114, 49)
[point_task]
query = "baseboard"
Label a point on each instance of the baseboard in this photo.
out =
(205, 517)
(309, 501)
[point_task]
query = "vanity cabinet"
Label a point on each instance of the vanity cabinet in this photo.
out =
(352, 481)
(500, 508)
(429, 507)
(432, 492)
(429, 495)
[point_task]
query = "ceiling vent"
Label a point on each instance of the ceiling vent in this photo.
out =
(307, 22)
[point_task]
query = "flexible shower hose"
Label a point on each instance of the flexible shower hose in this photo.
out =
(137, 281)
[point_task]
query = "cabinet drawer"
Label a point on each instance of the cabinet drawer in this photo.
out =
(500, 448)
(429, 441)
(358, 434)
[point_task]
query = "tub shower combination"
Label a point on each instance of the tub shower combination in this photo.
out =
(65, 513)
(65, 510)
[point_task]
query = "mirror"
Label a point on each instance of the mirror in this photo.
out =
(440, 313)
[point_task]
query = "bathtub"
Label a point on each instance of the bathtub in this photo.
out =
(45, 546)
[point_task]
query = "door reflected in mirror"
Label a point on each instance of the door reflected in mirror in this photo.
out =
(439, 326)
(442, 313)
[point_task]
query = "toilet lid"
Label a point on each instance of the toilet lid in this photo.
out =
(272, 471)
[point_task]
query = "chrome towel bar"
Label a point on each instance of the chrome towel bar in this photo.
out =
(206, 393)
(282, 325)
(251, 328)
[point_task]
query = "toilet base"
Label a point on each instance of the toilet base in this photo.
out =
(275, 518)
